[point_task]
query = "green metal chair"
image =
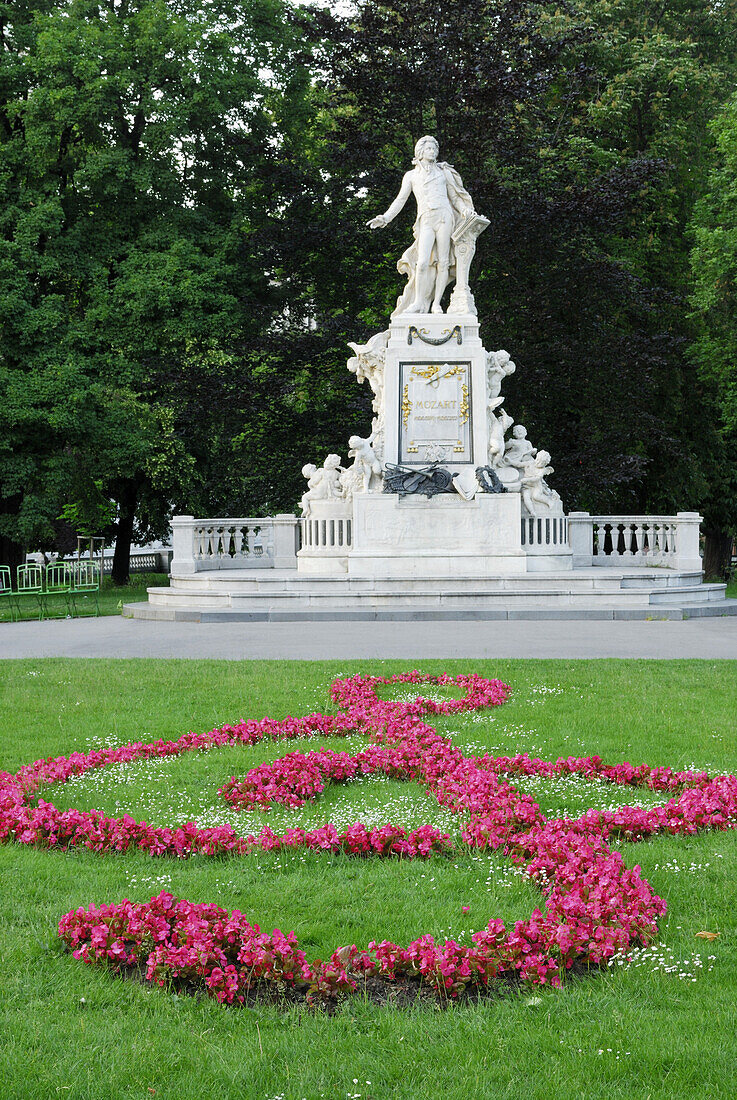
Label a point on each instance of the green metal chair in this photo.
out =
(7, 595)
(29, 580)
(59, 585)
(85, 590)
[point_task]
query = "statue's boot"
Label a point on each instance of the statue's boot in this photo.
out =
(441, 281)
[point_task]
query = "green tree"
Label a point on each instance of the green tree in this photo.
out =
(714, 299)
(578, 131)
(134, 136)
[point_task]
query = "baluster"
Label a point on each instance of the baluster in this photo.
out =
(668, 540)
(237, 541)
(658, 538)
(674, 540)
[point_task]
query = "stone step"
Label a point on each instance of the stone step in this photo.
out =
(276, 599)
(261, 581)
(693, 593)
(709, 608)
(347, 595)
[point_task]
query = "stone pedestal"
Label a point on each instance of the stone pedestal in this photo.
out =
(430, 377)
(444, 536)
(435, 392)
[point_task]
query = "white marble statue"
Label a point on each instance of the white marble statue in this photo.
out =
(499, 366)
(368, 365)
(322, 483)
(518, 451)
(497, 427)
(445, 234)
(365, 473)
(537, 496)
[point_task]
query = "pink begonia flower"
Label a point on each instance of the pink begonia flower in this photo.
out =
(593, 906)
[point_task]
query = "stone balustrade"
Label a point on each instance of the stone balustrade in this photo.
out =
(327, 536)
(544, 535)
(272, 541)
(619, 541)
(267, 542)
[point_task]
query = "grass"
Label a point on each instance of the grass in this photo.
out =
(113, 596)
(662, 1026)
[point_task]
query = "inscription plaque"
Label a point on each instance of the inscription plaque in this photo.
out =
(435, 413)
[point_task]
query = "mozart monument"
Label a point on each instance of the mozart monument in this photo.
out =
(444, 507)
(440, 487)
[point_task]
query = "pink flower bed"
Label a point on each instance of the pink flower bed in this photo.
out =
(593, 905)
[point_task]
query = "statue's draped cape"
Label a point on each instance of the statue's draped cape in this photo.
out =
(462, 205)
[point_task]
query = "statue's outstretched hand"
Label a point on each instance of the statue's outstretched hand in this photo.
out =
(377, 223)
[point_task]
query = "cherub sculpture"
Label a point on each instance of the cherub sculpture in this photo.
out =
(498, 427)
(322, 483)
(518, 450)
(499, 366)
(537, 496)
(366, 467)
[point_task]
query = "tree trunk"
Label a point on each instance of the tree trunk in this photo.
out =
(717, 554)
(11, 553)
(124, 533)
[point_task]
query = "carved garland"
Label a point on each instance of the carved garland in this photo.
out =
(436, 341)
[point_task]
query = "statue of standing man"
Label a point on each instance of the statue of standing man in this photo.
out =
(444, 233)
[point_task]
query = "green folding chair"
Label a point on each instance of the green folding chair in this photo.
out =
(85, 590)
(59, 584)
(7, 595)
(29, 581)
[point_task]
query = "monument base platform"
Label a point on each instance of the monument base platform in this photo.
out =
(383, 535)
(258, 595)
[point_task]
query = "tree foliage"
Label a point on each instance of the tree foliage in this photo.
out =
(133, 138)
(714, 300)
(184, 189)
(571, 128)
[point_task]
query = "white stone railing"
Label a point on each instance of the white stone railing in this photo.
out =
(327, 537)
(328, 533)
(268, 542)
(619, 541)
(544, 534)
(141, 561)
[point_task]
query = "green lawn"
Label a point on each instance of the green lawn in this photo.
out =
(113, 596)
(662, 1026)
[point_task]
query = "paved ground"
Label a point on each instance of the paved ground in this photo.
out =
(117, 637)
